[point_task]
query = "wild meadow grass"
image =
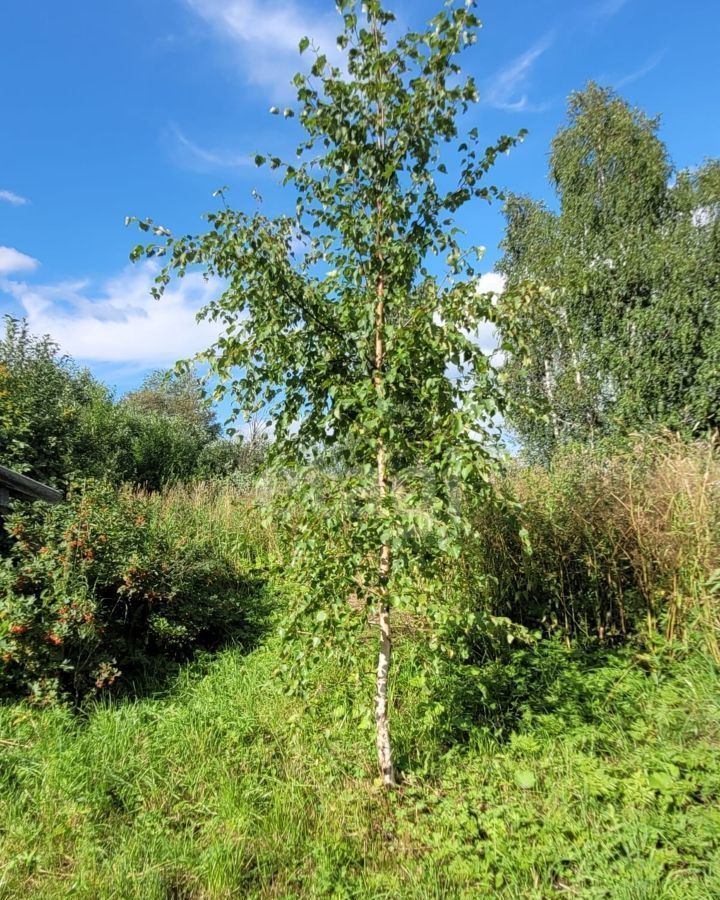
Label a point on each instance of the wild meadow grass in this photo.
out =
(600, 778)
(585, 764)
(226, 518)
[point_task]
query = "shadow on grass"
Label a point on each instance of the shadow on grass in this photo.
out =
(150, 676)
(549, 678)
(546, 684)
(238, 614)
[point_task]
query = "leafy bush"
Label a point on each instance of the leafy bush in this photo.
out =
(152, 450)
(239, 458)
(175, 395)
(103, 586)
(59, 425)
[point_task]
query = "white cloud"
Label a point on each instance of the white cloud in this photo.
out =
(506, 89)
(118, 321)
(12, 260)
(486, 336)
(203, 159)
(14, 199)
(267, 35)
(491, 283)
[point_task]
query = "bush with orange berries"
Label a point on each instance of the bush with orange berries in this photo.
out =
(103, 588)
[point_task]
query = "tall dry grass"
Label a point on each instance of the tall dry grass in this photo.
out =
(618, 542)
(222, 516)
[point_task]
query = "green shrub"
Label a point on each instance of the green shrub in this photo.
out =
(175, 395)
(238, 459)
(153, 450)
(106, 586)
(59, 425)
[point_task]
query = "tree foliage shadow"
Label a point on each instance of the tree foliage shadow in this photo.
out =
(546, 684)
(546, 678)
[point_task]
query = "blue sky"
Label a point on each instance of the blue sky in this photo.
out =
(144, 108)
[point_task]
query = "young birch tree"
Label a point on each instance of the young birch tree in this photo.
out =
(351, 323)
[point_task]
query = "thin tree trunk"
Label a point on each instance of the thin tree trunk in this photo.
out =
(382, 727)
(549, 393)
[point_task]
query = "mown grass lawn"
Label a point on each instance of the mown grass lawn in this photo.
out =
(583, 776)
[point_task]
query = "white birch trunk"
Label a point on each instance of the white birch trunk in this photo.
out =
(382, 727)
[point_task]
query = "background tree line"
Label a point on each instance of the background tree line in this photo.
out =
(623, 331)
(59, 424)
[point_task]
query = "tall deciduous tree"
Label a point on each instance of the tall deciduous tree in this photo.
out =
(351, 322)
(626, 274)
(45, 402)
(177, 395)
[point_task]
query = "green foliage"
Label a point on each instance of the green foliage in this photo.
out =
(59, 425)
(623, 329)
(105, 585)
(44, 405)
(303, 324)
(616, 548)
(239, 459)
(179, 395)
(530, 767)
(152, 450)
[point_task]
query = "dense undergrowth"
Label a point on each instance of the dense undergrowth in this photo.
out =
(112, 585)
(579, 755)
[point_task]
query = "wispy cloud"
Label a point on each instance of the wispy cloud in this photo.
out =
(204, 159)
(13, 198)
(607, 8)
(12, 260)
(117, 321)
(641, 72)
(267, 35)
(507, 89)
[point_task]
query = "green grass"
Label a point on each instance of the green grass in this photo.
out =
(574, 774)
